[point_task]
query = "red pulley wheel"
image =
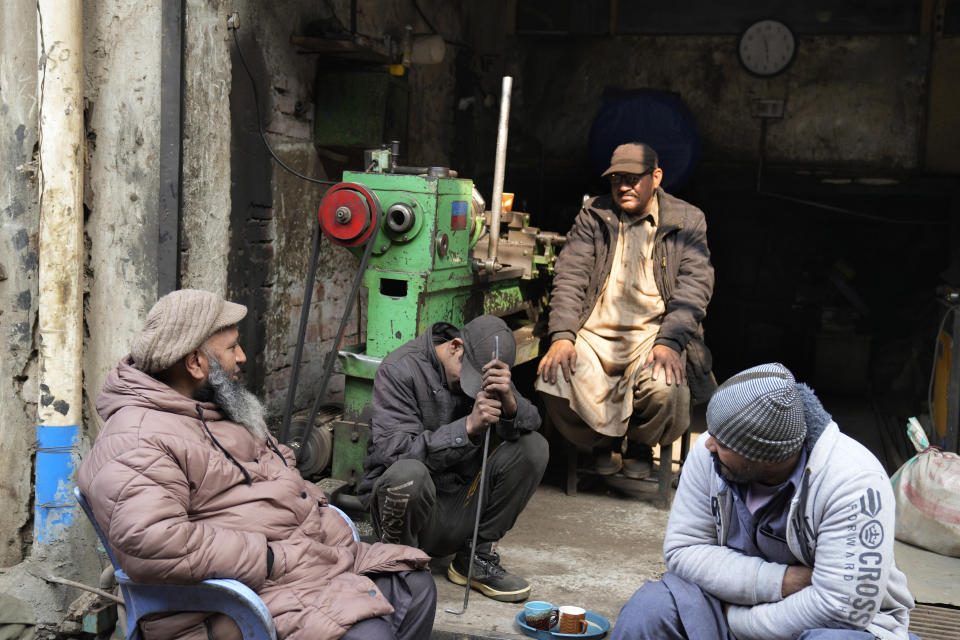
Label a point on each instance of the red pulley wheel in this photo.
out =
(347, 213)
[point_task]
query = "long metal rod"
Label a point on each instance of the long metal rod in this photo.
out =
(301, 333)
(476, 526)
(476, 522)
(80, 585)
(497, 204)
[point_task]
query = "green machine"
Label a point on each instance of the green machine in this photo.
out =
(424, 238)
(429, 251)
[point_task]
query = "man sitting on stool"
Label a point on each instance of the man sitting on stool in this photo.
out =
(631, 287)
(433, 400)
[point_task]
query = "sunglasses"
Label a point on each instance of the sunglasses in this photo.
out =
(628, 178)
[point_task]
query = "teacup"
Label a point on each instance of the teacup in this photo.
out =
(540, 615)
(572, 620)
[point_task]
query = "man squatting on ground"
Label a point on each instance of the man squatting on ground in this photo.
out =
(187, 484)
(433, 400)
(631, 288)
(782, 527)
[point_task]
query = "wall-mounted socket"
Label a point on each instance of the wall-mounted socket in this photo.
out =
(768, 108)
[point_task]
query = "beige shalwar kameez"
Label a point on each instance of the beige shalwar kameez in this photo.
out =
(611, 390)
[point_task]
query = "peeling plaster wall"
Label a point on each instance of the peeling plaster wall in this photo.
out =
(19, 214)
(122, 89)
(74, 554)
(848, 98)
(205, 219)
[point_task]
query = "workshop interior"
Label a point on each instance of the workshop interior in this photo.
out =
(832, 230)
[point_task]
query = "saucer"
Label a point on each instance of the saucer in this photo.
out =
(597, 627)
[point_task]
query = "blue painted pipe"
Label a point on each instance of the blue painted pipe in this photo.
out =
(55, 506)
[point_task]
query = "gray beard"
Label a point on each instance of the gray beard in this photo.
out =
(240, 405)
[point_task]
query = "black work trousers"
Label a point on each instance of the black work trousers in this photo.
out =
(406, 507)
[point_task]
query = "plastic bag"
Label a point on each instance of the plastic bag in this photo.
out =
(927, 488)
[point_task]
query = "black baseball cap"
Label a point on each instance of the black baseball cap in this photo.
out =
(482, 337)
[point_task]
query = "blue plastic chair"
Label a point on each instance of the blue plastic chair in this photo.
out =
(229, 597)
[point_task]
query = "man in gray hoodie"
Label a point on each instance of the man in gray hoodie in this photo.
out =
(782, 527)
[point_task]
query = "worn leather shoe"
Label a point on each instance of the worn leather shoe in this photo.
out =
(605, 462)
(638, 461)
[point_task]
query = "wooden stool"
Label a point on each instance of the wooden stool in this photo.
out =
(664, 474)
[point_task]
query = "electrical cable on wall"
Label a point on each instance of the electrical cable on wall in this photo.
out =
(40, 103)
(333, 14)
(256, 103)
(432, 28)
(424, 17)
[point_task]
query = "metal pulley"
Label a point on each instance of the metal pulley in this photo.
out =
(314, 452)
(348, 213)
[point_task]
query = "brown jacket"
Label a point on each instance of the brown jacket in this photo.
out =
(684, 278)
(176, 507)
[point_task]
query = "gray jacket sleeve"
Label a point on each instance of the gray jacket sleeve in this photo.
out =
(692, 550)
(576, 262)
(526, 420)
(693, 288)
(397, 431)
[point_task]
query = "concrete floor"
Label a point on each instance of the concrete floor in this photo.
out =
(591, 550)
(932, 578)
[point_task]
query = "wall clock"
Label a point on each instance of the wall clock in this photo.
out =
(767, 47)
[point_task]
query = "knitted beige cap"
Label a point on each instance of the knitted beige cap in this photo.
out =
(179, 323)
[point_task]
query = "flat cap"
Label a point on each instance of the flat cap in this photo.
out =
(179, 323)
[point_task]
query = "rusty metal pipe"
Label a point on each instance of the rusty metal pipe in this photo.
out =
(497, 203)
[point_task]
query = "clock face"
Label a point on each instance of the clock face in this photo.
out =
(767, 47)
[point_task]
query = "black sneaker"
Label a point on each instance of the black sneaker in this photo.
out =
(488, 577)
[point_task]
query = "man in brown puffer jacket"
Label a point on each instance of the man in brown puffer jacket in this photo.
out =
(187, 484)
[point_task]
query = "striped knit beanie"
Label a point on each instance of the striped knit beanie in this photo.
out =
(758, 414)
(179, 323)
